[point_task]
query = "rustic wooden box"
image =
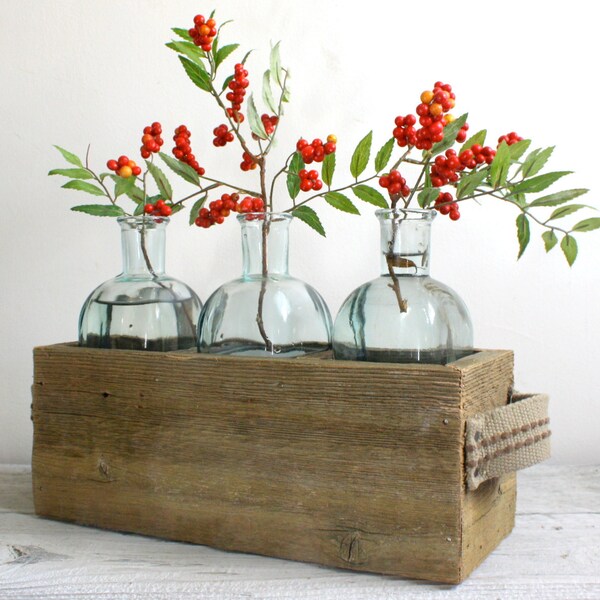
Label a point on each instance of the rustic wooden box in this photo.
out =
(352, 465)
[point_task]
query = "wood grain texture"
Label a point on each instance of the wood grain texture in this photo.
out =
(552, 554)
(353, 465)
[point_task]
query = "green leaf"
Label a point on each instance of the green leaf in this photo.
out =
(517, 150)
(136, 195)
(587, 225)
(360, 158)
(477, 138)
(70, 157)
(256, 125)
(500, 165)
(558, 198)
(196, 208)
(450, 132)
(123, 185)
(267, 93)
(563, 211)
(522, 233)
(196, 74)
(384, 155)
(182, 33)
(341, 202)
(535, 161)
(162, 183)
(427, 195)
(227, 81)
(470, 181)
(310, 217)
(569, 248)
(293, 181)
(370, 195)
(100, 210)
(72, 173)
(539, 183)
(246, 56)
(550, 239)
(328, 168)
(180, 168)
(190, 50)
(276, 70)
(224, 52)
(84, 186)
(139, 209)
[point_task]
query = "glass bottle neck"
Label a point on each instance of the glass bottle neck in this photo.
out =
(405, 242)
(265, 243)
(143, 246)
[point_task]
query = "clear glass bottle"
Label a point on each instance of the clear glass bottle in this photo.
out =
(266, 312)
(404, 315)
(142, 308)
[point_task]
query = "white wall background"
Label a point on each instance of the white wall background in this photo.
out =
(78, 71)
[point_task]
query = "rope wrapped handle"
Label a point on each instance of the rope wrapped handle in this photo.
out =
(507, 439)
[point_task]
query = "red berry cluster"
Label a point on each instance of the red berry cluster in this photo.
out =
(159, 209)
(433, 117)
(124, 167)
(395, 184)
(446, 205)
(219, 210)
(269, 123)
(222, 135)
(237, 87)
(203, 32)
(248, 163)
(151, 140)
(445, 169)
(183, 149)
(309, 180)
(510, 138)
(316, 151)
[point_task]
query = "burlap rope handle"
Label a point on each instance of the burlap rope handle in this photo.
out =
(507, 439)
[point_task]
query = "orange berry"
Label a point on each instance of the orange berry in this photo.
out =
(436, 109)
(426, 96)
(125, 171)
(332, 138)
(132, 164)
(449, 118)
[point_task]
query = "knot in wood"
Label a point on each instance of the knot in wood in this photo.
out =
(351, 550)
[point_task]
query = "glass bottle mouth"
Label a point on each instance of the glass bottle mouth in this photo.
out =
(271, 217)
(406, 214)
(135, 222)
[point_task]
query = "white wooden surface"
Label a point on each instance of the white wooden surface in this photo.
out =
(553, 552)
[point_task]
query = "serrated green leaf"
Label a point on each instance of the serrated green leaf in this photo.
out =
(518, 149)
(136, 195)
(310, 217)
(341, 202)
(275, 60)
(123, 185)
(450, 132)
(84, 186)
(70, 157)
(180, 168)
(196, 208)
(293, 181)
(550, 239)
(190, 50)
(370, 195)
(470, 181)
(198, 76)
(477, 138)
(139, 209)
(587, 225)
(500, 165)
(224, 52)
(538, 183)
(100, 210)
(427, 195)
(256, 124)
(569, 247)
(72, 173)
(523, 233)
(383, 156)
(535, 161)
(176, 208)
(360, 157)
(558, 198)
(162, 183)
(267, 93)
(328, 168)
(563, 211)
(182, 33)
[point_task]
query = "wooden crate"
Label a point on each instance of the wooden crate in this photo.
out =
(351, 465)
